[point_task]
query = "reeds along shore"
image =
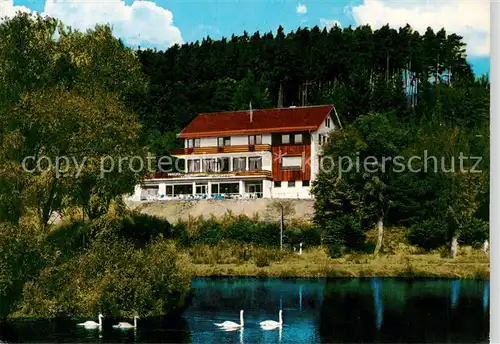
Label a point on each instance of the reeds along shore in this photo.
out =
(231, 260)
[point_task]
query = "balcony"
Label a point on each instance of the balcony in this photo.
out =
(189, 175)
(225, 149)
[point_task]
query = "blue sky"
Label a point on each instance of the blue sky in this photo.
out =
(161, 23)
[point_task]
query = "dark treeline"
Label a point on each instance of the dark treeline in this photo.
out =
(356, 69)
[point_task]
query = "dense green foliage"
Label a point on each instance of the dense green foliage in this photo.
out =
(244, 230)
(352, 68)
(66, 99)
(96, 266)
(68, 95)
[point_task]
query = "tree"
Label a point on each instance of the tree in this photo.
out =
(65, 101)
(362, 193)
(283, 208)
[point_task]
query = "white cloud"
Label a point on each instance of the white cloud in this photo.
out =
(301, 9)
(7, 9)
(329, 23)
(470, 19)
(141, 23)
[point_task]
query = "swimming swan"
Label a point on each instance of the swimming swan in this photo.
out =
(232, 324)
(93, 324)
(271, 324)
(126, 324)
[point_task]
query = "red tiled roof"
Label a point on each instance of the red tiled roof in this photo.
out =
(264, 121)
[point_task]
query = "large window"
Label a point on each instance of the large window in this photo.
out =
(255, 163)
(224, 141)
(193, 143)
(229, 188)
(194, 165)
(223, 164)
(184, 189)
(239, 164)
(209, 165)
(254, 140)
(291, 162)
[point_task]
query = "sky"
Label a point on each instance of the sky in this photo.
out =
(162, 23)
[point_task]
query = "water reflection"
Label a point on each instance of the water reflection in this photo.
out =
(377, 297)
(486, 295)
(314, 311)
(455, 292)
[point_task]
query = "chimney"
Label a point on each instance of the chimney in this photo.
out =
(251, 112)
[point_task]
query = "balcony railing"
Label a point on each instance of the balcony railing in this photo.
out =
(225, 149)
(171, 175)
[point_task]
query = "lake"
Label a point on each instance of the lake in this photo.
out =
(314, 311)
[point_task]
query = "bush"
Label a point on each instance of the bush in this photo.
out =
(474, 232)
(261, 261)
(335, 250)
(305, 233)
(430, 234)
(246, 231)
(114, 278)
(22, 257)
(345, 231)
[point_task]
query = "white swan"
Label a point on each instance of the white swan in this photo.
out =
(92, 324)
(126, 324)
(271, 324)
(232, 324)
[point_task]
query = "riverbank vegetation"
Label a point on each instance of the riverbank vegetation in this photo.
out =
(80, 101)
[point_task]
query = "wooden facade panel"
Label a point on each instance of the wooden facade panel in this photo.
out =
(167, 175)
(281, 173)
(225, 149)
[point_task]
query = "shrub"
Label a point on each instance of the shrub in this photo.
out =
(261, 261)
(111, 277)
(345, 231)
(208, 232)
(22, 257)
(474, 232)
(307, 234)
(429, 234)
(334, 250)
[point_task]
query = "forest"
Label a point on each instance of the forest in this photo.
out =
(88, 96)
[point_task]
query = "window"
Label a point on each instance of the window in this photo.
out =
(291, 183)
(254, 140)
(223, 164)
(224, 141)
(298, 138)
(254, 163)
(215, 188)
(193, 165)
(291, 162)
(239, 164)
(277, 184)
(305, 183)
(327, 122)
(169, 190)
(285, 138)
(193, 143)
(209, 165)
